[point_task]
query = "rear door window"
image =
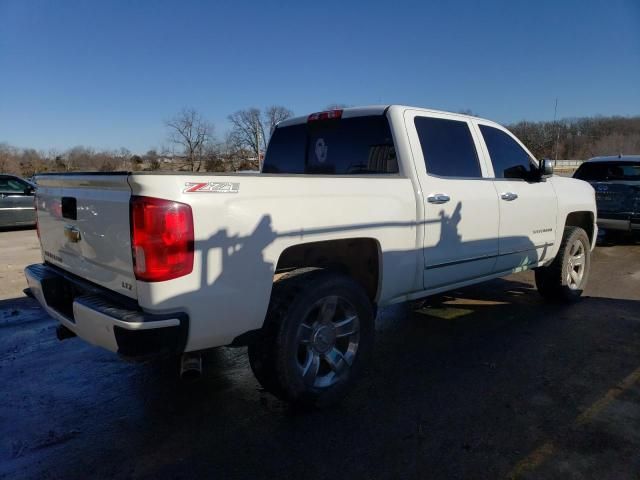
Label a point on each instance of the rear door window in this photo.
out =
(349, 146)
(447, 147)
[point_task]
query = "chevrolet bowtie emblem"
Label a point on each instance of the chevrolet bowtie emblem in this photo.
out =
(72, 233)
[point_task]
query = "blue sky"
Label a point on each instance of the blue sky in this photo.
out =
(108, 73)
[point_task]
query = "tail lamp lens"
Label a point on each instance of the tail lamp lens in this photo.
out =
(161, 239)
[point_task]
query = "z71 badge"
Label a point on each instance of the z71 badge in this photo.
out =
(211, 187)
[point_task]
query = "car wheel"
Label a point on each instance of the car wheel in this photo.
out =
(318, 334)
(566, 277)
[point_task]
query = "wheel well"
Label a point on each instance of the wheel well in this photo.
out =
(583, 220)
(356, 257)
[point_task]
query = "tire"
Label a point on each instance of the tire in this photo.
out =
(318, 335)
(556, 281)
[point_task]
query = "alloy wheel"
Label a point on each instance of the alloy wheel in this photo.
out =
(328, 340)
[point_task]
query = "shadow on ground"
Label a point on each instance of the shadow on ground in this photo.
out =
(466, 387)
(613, 238)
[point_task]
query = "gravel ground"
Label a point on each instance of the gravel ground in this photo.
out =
(18, 248)
(486, 382)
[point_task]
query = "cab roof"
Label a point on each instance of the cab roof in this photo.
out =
(350, 112)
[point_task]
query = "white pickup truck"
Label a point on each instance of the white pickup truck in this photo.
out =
(354, 209)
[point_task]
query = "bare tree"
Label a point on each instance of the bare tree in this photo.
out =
(192, 134)
(79, 158)
(251, 129)
(106, 162)
(8, 162)
(30, 162)
(247, 130)
(273, 115)
(150, 159)
(121, 158)
(135, 161)
(60, 164)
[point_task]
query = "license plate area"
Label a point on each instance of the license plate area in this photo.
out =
(605, 198)
(59, 294)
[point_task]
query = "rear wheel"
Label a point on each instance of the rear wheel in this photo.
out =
(317, 336)
(565, 278)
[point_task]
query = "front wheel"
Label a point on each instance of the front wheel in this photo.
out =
(317, 336)
(566, 277)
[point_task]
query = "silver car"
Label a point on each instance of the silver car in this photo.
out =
(16, 202)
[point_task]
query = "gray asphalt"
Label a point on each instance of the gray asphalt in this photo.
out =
(487, 382)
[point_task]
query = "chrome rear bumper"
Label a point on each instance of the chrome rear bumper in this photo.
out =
(97, 316)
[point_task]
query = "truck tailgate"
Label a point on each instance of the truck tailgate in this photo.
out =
(83, 222)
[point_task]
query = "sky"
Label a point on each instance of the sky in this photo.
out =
(108, 74)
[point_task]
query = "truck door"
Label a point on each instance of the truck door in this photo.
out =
(528, 206)
(460, 205)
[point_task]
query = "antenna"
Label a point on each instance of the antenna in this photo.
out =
(555, 113)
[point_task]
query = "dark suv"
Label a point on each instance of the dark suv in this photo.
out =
(616, 181)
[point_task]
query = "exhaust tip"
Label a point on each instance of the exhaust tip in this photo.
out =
(190, 367)
(62, 333)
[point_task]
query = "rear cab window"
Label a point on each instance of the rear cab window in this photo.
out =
(609, 171)
(343, 146)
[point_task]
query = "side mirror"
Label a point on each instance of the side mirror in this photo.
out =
(28, 190)
(545, 167)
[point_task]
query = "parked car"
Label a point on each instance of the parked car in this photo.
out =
(16, 202)
(355, 209)
(616, 181)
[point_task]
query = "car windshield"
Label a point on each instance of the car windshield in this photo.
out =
(609, 171)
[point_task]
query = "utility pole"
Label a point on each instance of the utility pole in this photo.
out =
(555, 114)
(258, 143)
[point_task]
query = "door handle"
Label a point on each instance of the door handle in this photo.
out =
(438, 198)
(508, 196)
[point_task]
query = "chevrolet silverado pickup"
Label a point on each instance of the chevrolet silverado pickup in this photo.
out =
(353, 210)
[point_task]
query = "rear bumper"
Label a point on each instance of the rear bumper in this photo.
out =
(101, 318)
(619, 221)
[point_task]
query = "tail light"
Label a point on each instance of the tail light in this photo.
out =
(161, 239)
(328, 115)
